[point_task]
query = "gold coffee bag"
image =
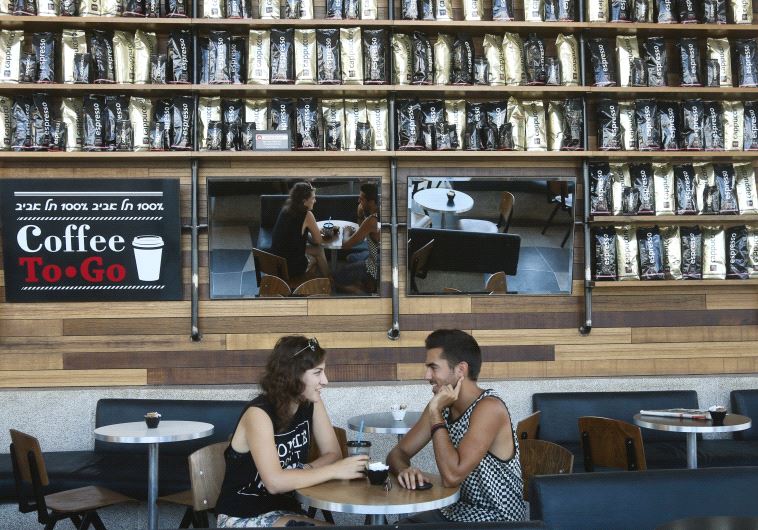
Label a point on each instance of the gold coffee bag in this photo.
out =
(402, 69)
(355, 113)
(123, 56)
(513, 55)
(45, 8)
(734, 125)
(718, 50)
(536, 137)
(377, 117)
(555, 126)
(269, 9)
(258, 57)
(714, 255)
(568, 56)
(597, 11)
(305, 56)
(111, 8)
(443, 10)
(89, 8)
(493, 52)
(10, 46)
(517, 119)
(351, 56)
(71, 114)
(73, 41)
(144, 46)
(368, 10)
(208, 110)
(742, 11)
(141, 114)
(533, 10)
(627, 51)
(472, 9)
(745, 185)
(443, 48)
(663, 186)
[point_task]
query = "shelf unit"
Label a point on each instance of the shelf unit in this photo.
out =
(581, 30)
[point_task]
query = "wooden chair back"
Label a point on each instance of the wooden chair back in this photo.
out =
(451, 290)
(540, 457)
(497, 283)
(314, 287)
(418, 263)
(341, 434)
(271, 264)
(507, 201)
(207, 468)
(611, 443)
(22, 445)
(528, 427)
(273, 286)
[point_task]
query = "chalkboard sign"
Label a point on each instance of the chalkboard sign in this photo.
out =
(91, 239)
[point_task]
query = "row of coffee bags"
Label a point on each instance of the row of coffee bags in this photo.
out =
(91, 8)
(96, 123)
(692, 125)
(76, 56)
(675, 252)
(290, 9)
(328, 124)
(720, 65)
(665, 189)
(671, 11)
(437, 125)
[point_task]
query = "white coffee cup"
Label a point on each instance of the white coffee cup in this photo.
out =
(148, 251)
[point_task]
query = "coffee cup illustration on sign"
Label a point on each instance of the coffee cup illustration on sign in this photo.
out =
(148, 251)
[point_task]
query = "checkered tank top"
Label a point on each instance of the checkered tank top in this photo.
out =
(493, 491)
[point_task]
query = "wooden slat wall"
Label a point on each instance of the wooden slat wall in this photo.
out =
(681, 329)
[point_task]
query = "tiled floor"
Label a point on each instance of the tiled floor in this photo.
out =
(231, 262)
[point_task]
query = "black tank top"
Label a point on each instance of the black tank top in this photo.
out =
(243, 493)
(288, 241)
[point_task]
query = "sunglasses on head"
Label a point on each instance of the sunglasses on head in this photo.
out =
(311, 345)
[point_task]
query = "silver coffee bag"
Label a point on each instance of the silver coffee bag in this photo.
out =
(513, 55)
(72, 111)
(742, 11)
(517, 118)
(533, 10)
(734, 125)
(536, 136)
(626, 253)
(258, 57)
(333, 115)
(402, 67)
(368, 10)
(620, 179)
(472, 10)
(140, 114)
(47, 8)
(628, 126)
(305, 56)
(714, 255)
(377, 117)
(351, 56)
(10, 46)
(145, 45)
(555, 126)
(123, 56)
(568, 55)
(306, 9)
(672, 252)
(443, 10)
(73, 41)
(493, 52)
(663, 185)
(455, 109)
(89, 8)
(627, 51)
(597, 11)
(752, 251)
(6, 116)
(213, 8)
(443, 60)
(256, 111)
(745, 186)
(111, 8)
(355, 113)
(269, 9)
(719, 50)
(208, 110)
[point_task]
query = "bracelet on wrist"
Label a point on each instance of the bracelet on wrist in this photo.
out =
(437, 426)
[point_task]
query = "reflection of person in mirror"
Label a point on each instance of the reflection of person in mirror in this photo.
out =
(475, 445)
(267, 457)
(361, 273)
(292, 228)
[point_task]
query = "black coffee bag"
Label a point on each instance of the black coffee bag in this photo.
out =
(409, 135)
(44, 50)
(692, 252)
(609, 125)
(692, 125)
(334, 9)
(426, 10)
(133, 8)
(182, 123)
(219, 43)
(177, 9)
(101, 49)
(422, 59)
(21, 8)
(93, 128)
(116, 110)
(238, 59)
(232, 113)
(351, 9)
(621, 10)
(205, 65)
(602, 55)
(737, 257)
(713, 126)
(41, 121)
(651, 253)
(714, 12)
(573, 128)
(180, 52)
(686, 186)
(282, 55)
(283, 115)
(725, 181)
(432, 115)
(656, 61)
(642, 181)
(375, 56)
(307, 128)
(669, 118)
(688, 11)
(409, 10)
(534, 60)
(503, 10)
(21, 126)
(648, 126)
(328, 69)
(567, 10)
(600, 188)
(666, 12)
(750, 142)
(691, 67)
(462, 72)
(604, 256)
(747, 62)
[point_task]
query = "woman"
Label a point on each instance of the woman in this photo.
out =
(267, 457)
(290, 236)
(361, 274)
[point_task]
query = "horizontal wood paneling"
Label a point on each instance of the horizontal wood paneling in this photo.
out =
(61, 378)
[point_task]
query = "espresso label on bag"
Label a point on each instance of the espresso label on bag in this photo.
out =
(402, 69)
(568, 55)
(219, 43)
(627, 51)
(352, 56)
(282, 55)
(626, 253)
(305, 56)
(328, 56)
(600, 188)
(609, 125)
(603, 64)
(180, 52)
(182, 123)
(513, 52)
(258, 53)
(643, 181)
(307, 134)
(605, 253)
(737, 261)
(714, 257)
(725, 181)
(238, 59)
(208, 110)
(713, 128)
(333, 113)
(750, 137)
(145, 45)
(690, 64)
(747, 62)
(94, 123)
(656, 61)
(45, 54)
(256, 111)
(670, 122)
(375, 56)
(692, 124)
(463, 61)
(718, 50)
(651, 253)
(443, 61)
(573, 124)
(692, 252)
(493, 52)
(686, 192)
(648, 126)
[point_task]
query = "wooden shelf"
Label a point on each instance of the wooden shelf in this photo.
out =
(109, 88)
(696, 30)
(674, 219)
(257, 23)
(637, 284)
(679, 92)
(673, 155)
(110, 23)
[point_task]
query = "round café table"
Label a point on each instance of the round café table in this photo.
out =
(384, 423)
(137, 433)
(732, 423)
(359, 496)
(335, 242)
(435, 200)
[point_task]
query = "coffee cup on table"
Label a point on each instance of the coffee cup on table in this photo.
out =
(398, 412)
(377, 473)
(152, 419)
(718, 414)
(356, 448)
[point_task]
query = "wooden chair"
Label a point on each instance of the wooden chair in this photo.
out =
(314, 454)
(451, 290)
(528, 427)
(80, 505)
(417, 264)
(497, 283)
(273, 286)
(207, 469)
(540, 457)
(314, 287)
(611, 443)
(504, 220)
(273, 265)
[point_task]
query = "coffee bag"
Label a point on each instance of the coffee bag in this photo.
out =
(536, 137)
(628, 121)
(333, 113)
(714, 255)
(493, 52)
(692, 252)
(626, 253)
(219, 43)
(443, 60)
(666, 10)
(725, 181)
(145, 44)
(643, 181)
(745, 188)
(627, 51)
(690, 64)
(328, 70)
(742, 11)
(377, 117)
(603, 64)
(663, 187)
(182, 123)
(648, 126)
(737, 261)
(180, 52)
(688, 11)
(747, 62)
(213, 9)
(750, 125)
(375, 56)
(94, 123)
(597, 11)
(501, 10)
(409, 136)
(713, 126)
(473, 10)
(6, 117)
(719, 50)
(462, 72)
(669, 113)
(175, 8)
(733, 121)
(282, 56)
(89, 8)
(140, 115)
(692, 125)
(752, 251)
(600, 188)
(116, 112)
(604, 257)
(45, 53)
(256, 111)
(209, 110)
(259, 53)
(72, 112)
(686, 189)
(334, 9)
(621, 181)
(352, 56)
(305, 56)
(621, 11)
(422, 59)
(651, 253)
(609, 125)
(517, 120)
(513, 54)
(656, 61)
(455, 110)
(533, 10)
(269, 9)
(402, 69)
(568, 55)
(534, 61)
(307, 131)
(556, 122)
(672, 252)
(409, 9)
(368, 10)
(73, 41)
(714, 12)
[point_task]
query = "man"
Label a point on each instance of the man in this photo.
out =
(475, 446)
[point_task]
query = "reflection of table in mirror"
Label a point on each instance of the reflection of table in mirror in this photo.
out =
(359, 496)
(384, 423)
(732, 423)
(334, 243)
(436, 200)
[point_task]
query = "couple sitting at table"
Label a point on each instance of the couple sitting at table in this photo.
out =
(296, 224)
(475, 445)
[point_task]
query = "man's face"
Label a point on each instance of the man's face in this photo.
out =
(438, 371)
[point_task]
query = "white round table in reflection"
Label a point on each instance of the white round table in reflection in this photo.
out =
(436, 200)
(334, 243)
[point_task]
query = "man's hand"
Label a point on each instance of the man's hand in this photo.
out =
(446, 396)
(411, 477)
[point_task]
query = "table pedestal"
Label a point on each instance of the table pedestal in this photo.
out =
(152, 487)
(692, 450)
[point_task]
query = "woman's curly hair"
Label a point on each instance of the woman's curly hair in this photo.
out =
(281, 381)
(299, 193)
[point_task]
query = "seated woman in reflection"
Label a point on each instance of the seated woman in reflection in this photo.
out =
(267, 457)
(361, 274)
(292, 228)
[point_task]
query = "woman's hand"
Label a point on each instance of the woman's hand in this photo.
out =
(350, 467)
(411, 477)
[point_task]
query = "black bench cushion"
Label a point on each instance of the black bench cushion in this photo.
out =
(560, 411)
(642, 499)
(726, 453)
(222, 414)
(745, 402)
